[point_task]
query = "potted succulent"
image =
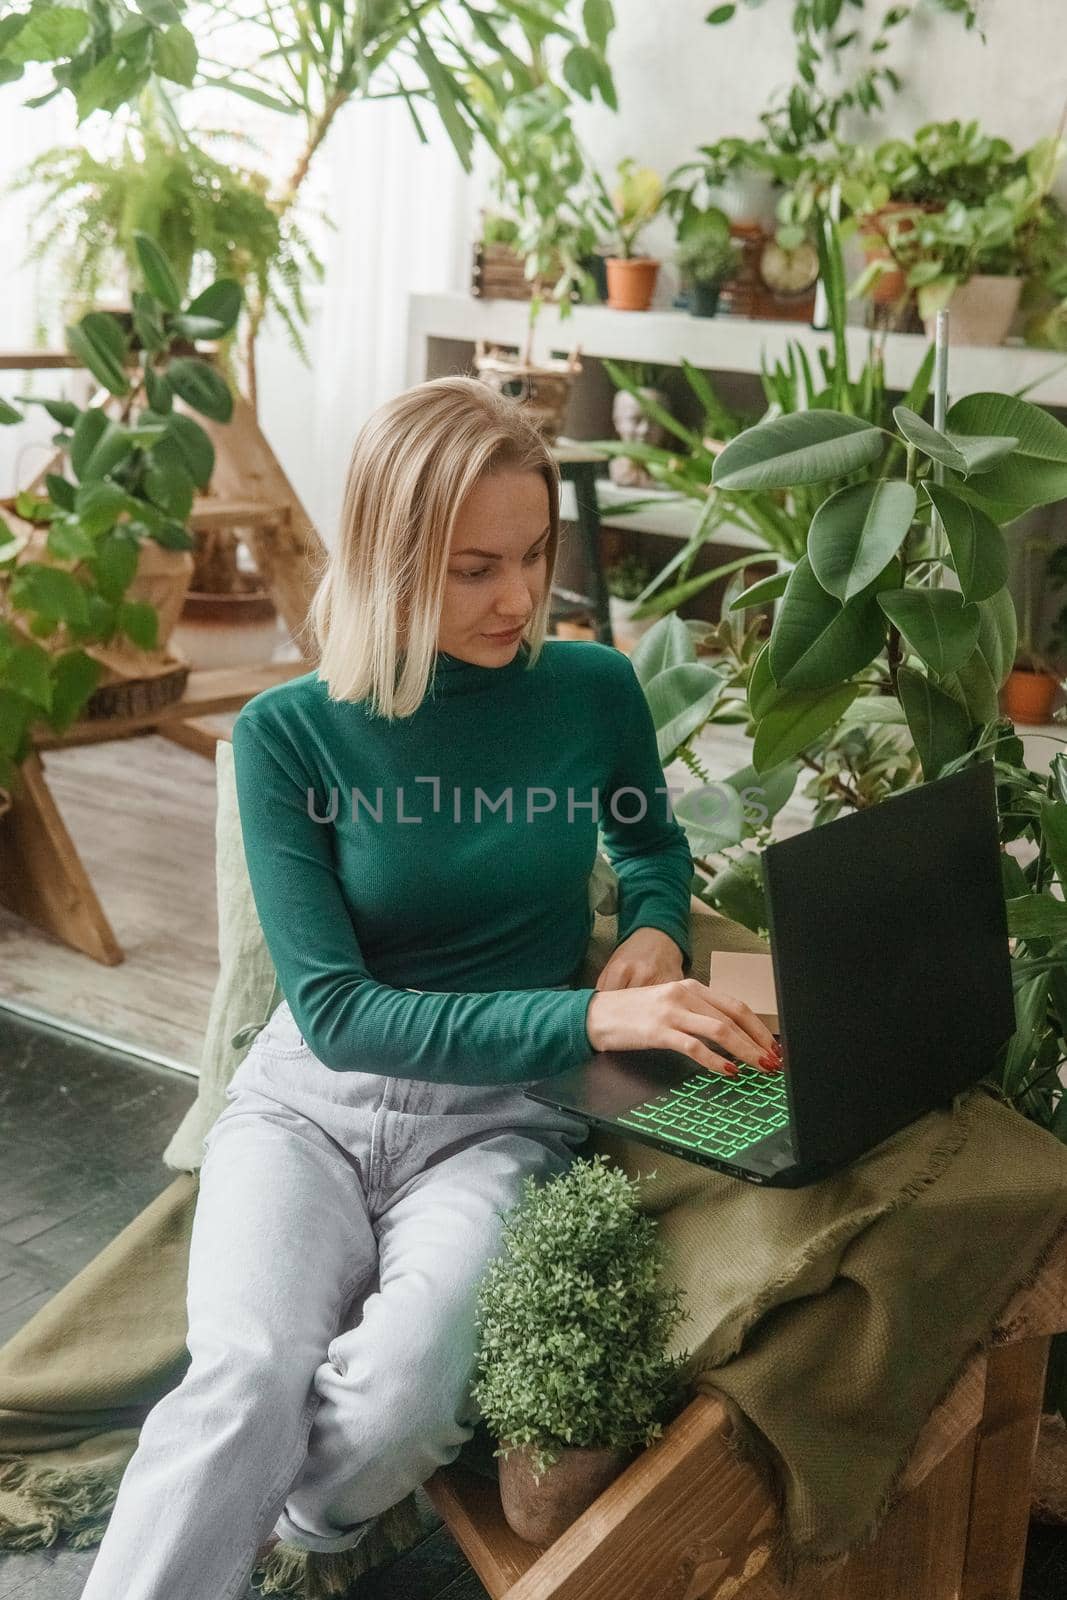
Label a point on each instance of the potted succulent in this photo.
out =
(627, 579)
(1028, 694)
(636, 200)
(574, 1376)
(707, 257)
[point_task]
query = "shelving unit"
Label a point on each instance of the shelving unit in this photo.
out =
(717, 344)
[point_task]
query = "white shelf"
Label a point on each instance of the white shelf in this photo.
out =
(718, 344)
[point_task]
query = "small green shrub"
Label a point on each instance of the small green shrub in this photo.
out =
(575, 1322)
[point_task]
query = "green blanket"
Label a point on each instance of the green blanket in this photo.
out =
(833, 1317)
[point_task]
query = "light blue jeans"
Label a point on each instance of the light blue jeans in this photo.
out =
(343, 1224)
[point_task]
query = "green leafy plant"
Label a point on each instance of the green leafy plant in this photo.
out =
(205, 213)
(131, 464)
(709, 255)
(636, 200)
(628, 577)
(575, 1321)
(838, 69)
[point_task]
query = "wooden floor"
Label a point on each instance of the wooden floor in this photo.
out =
(142, 815)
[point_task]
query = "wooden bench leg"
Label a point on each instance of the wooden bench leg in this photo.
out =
(1003, 1466)
(41, 874)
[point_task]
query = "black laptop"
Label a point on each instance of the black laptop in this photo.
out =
(891, 964)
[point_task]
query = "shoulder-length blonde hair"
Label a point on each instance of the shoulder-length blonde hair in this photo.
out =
(374, 617)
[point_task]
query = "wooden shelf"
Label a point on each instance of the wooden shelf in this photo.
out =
(717, 344)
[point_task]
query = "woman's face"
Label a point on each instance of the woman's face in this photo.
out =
(496, 568)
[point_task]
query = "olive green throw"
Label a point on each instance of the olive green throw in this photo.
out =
(834, 1317)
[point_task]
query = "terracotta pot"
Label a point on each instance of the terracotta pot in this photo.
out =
(981, 311)
(540, 1511)
(228, 630)
(631, 282)
(1027, 696)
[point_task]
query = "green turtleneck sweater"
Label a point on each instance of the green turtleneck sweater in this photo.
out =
(449, 852)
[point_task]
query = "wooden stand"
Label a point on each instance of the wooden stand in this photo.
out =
(691, 1521)
(41, 875)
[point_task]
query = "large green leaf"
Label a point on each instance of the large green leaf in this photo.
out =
(938, 723)
(796, 719)
(1037, 916)
(28, 670)
(100, 343)
(960, 452)
(98, 504)
(855, 533)
(197, 450)
(174, 55)
(758, 594)
(201, 387)
(937, 623)
(766, 792)
(220, 302)
(668, 644)
(737, 891)
(713, 817)
(998, 634)
(1035, 474)
(55, 595)
(1054, 834)
(114, 566)
(48, 34)
(76, 676)
(681, 699)
(807, 447)
(158, 276)
(815, 641)
(977, 544)
(973, 686)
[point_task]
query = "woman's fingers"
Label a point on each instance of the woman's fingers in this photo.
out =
(744, 1016)
(711, 1021)
(686, 1045)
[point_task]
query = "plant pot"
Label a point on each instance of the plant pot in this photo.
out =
(544, 390)
(749, 197)
(981, 311)
(227, 630)
(704, 299)
(1027, 696)
(625, 630)
(539, 1511)
(631, 282)
(891, 288)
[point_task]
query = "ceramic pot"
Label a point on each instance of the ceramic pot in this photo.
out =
(631, 282)
(1027, 696)
(892, 286)
(981, 311)
(540, 1511)
(704, 299)
(227, 630)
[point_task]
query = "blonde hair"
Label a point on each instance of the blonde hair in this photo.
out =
(375, 613)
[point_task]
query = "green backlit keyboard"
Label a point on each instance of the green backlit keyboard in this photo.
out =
(714, 1115)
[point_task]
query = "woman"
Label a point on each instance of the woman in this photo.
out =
(420, 822)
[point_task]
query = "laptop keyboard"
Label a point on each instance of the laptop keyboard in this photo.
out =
(714, 1115)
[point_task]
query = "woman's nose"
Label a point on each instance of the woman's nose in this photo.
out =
(519, 596)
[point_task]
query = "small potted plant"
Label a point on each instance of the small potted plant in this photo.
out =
(627, 579)
(707, 257)
(573, 1375)
(1031, 687)
(636, 200)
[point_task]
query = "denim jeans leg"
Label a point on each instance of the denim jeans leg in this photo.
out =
(394, 1392)
(281, 1240)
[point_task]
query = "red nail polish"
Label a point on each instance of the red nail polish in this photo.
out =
(768, 1063)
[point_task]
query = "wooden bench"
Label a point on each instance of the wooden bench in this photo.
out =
(688, 1520)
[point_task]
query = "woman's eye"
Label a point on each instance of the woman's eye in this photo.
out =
(482, 572)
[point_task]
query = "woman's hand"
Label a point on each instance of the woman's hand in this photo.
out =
(682, 1015)
(647, 956)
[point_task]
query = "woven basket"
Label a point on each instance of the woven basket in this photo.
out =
(140, 696)
(543, 390)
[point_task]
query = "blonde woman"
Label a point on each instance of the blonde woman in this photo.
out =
(420, 821)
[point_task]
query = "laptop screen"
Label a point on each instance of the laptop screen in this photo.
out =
(890, 947)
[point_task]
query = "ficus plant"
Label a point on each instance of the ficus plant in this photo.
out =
(129, 466)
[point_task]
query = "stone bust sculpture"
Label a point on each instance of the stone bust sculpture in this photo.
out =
(631, 423)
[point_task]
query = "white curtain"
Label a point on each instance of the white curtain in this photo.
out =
(402, 214)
